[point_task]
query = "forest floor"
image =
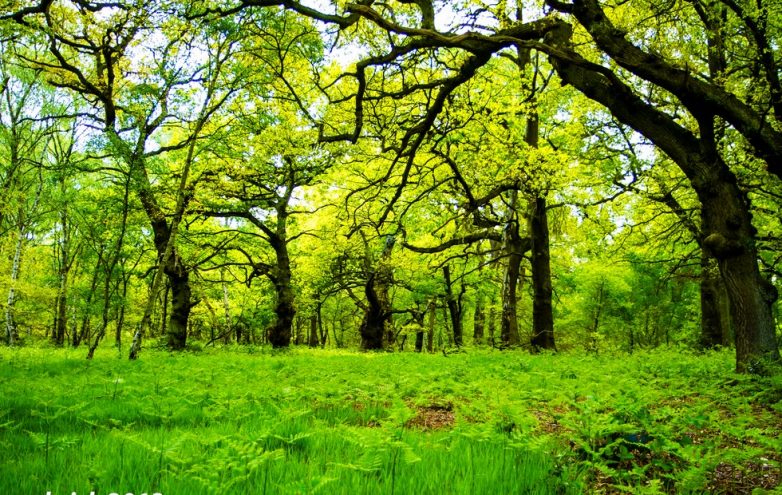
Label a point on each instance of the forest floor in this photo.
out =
(319, 421)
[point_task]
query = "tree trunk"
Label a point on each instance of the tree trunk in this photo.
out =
(376, 316)
(715, 326)
(542, 313)
(430, 329)
(86, 322)
(227, 308)
(180, 308)
(164, 309)
(11, 331)
(62, 293)
(418, 319)
(454, 307)
(376, 324)
(322, 330)
(279, 333)
(492, 326)
(509, 327)
(313, 338)
(479, 320)
(730, 240)
(726, 220)
(121, 316)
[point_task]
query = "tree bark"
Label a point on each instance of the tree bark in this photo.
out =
(376, 324)
(313, 338)
(227, 327)
(430, 326)
(479, 320)
(279, 333)
(514, 248)
(65, 269)
(727, 223)
(181, 305)
(121, 316)
(454, 303)
(86, 320)
(542, 312)
(492, 325)
(715, 326)
(11, 331)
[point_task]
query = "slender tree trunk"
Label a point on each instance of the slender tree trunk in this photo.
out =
(11, 331)
(121, 316)
(104, 318)
(479, 320)
(419, 341)
(227, 308)
(509, 328)
(430, 327)
(324, 332)
(65, 268)
(492, 326)
(454, 307)
(86, 321)
(62, 309)
(164, 309)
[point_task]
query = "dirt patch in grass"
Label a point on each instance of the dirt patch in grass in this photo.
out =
(432, 417)
(546, 422)
(729, 478)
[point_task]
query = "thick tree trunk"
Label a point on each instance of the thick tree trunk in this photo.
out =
(376, 316)
(313, 338)
(376, 324)
(726, 220)
(715, 316)
(279, 333)
(542, 313)
(730, 238)
(181, 293)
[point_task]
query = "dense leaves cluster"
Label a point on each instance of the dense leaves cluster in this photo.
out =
(553, 175)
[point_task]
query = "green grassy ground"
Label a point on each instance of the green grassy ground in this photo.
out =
(305, 421)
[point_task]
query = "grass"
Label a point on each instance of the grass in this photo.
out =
(234, 421)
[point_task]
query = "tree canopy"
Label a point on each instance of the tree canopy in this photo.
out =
(549, 174)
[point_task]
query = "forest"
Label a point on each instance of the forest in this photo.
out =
(415, 246)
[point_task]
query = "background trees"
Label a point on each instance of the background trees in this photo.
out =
(587, 174)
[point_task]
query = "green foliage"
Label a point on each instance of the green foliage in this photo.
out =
(334, 422)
